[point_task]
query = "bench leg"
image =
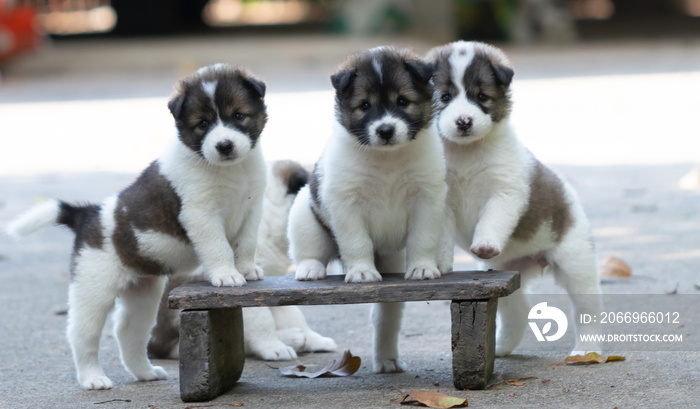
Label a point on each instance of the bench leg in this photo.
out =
(211, 352)
(473, 342)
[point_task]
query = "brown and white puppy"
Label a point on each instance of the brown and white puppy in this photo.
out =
(272, 334)
(503, 205)
(200, 202)
(376, 196)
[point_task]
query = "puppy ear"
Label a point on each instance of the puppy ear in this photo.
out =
(175, 105)
(421, 70)
(258, 87)
(341, 80)
(503, 73)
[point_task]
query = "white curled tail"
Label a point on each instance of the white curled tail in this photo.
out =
(43, 215)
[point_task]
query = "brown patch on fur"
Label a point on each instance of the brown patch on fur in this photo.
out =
(290, 174)
(85, 222)
(547, 203)
(150, 203)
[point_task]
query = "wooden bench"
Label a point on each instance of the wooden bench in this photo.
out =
(211, 324)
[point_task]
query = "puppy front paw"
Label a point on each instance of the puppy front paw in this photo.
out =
(362, 275)
(423, 271)
(272, 350)
(98, 382)
(252, 272)
(294, 337)
(226, 277)
(389, 366)
(485, 250)
(316, 342)
(310, 270)
(156, 373)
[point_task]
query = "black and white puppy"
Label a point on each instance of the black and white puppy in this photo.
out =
(199, 203)
(503, 205)
(271, 333)
(376, 196)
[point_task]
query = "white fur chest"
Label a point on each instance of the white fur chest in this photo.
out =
(496, 165)
(224, 192)
(385, 185)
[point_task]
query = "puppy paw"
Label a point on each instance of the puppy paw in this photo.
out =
(252, 272)
(485, 250)
(99, 382)
(390, 366)
(294, 337)
(362, 276)
(273, 350)
(226, 278)
(156, 373)
(315, 342)
(309, 270)
(422, 272)
(445, 267)
(502, 351)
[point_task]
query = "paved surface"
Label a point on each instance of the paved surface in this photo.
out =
(618, 120)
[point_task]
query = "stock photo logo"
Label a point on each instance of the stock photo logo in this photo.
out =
(543, 312)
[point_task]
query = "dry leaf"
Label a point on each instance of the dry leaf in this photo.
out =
(614, 267)
(613, 358)
(591, 358)
(348, 365)
(518, 381)
(435, 400)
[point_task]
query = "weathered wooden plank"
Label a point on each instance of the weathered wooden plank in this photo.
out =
(473, 342)
(211, 352)
(276, 291)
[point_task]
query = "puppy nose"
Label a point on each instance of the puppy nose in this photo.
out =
(464, 124)
(224, 147)
(385, 131)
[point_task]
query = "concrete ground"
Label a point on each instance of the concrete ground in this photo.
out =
(618, 119)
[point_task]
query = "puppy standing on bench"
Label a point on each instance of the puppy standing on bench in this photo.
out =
(199, 202)
(503, 205)
(376, 196)
(271, 333)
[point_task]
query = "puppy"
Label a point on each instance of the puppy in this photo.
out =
(200, 202)
(503, 205)
(376, 196)
(271, 334)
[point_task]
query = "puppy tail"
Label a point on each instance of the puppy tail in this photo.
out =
(48, 213)
(291, 174)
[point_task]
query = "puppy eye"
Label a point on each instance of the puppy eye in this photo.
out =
(238, 116)
(446, 98)
(365, 106)
(482, 97)
(402, 102)
(203, 125)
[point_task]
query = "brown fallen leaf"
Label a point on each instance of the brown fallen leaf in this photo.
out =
(590, 358)
(346, 366)
(613, 358)
(434, 400)
(614, 267)
(518, 381)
